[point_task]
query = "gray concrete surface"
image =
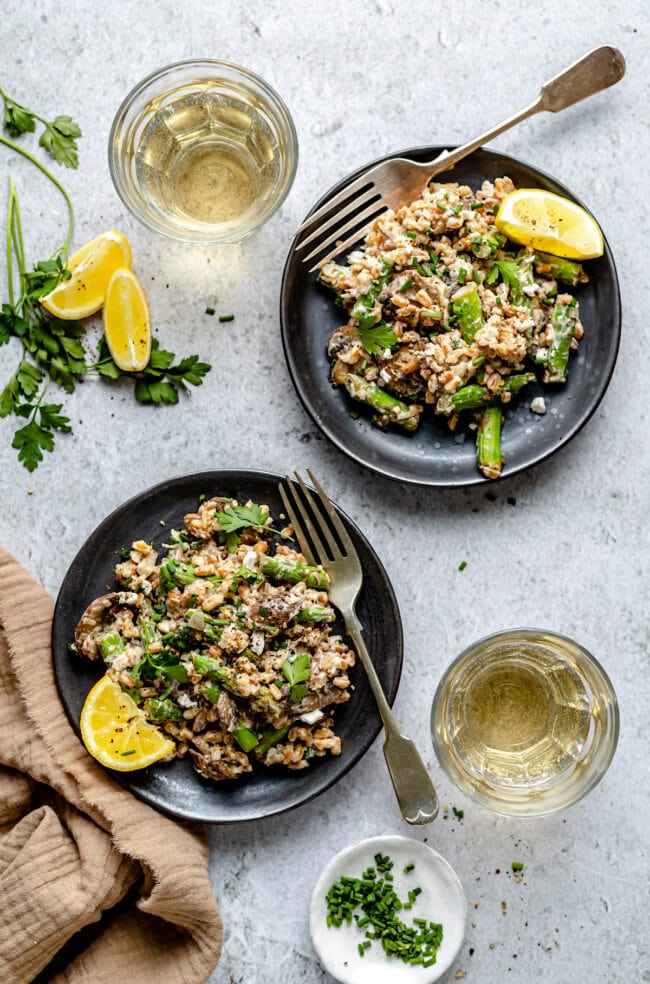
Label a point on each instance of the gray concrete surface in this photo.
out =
(571, 554)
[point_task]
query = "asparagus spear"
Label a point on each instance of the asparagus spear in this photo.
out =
(568, 271)
(245, 738)
(215, 671)
(316, 613)
(518, 295)
(363, 306)
(473, 396)
(162, 710)
(283, 569)
(212, 692)
(270, 738)
(466, 305)
(389, 407)
(563, 319)
(512, 384)
(488, 442)
(110, 645)
(329, 276)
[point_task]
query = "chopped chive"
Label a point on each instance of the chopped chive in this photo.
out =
(411, 234)
(517, 866)
(458, 208)
(476, 205)
(458, 813)
(226, 317)
(130, 752)
(209, 311)
(431, 314)
(442, 208)
(405, 286)
(409, 867)
(379, 905)
(479, 360)
(462, 276)
(461, 567)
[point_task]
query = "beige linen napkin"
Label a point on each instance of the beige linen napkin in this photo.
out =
(95, 886)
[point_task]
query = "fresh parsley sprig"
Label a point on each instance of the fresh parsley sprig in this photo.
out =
(234, 518)
(52, 349)
(377, 339)
(161, 381)
(508, 270)
(296, 670)
(59, 136)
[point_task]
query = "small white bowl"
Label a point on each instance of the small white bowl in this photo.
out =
(442, 900)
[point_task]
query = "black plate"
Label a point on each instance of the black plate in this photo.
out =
(175, 787)
(433, 455)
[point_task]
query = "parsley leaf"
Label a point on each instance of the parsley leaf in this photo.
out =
(234, 518)
(508, 270)
(377, 339)
(296, 670)
(155, 391)
(51, 417)
(18, 120)
(11, 324)
(31, 440)
(59, 140)
(9, 397)
(161, 380)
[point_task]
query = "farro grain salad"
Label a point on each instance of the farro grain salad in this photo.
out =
(445, 312)
(226, 642)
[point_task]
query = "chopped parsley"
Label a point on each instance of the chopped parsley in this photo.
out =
(375, 340)
(296, 670)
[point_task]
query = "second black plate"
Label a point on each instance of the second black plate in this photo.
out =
(175, 787)
(435, 456)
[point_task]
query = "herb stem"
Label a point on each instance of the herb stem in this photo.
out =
(63, 249)
(7, 99)
(8, 240)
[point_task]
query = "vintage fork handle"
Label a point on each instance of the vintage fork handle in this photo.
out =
(592, 73)
(416, 794)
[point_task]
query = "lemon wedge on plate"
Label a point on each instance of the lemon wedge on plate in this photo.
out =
(91, 267)
(127, 324)
(548, 222)
(116, 732)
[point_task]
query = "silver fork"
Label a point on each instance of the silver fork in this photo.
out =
(416, 794)
(394, 182)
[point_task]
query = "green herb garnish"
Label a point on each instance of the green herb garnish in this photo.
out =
(375, 896)
(296, 670)
(233, 518)
(51, 349)
(508, 270)
(375, 340)
(59, 137)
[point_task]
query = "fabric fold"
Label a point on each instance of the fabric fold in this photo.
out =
(93, 882)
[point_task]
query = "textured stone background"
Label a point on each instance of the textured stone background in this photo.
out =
(571, 555)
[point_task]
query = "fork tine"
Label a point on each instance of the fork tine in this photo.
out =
(326, 533)
(303, 542)
(341, 247)
(351, 190)
(357, 223)
(339, 215)
(319, 548)
(344, 536)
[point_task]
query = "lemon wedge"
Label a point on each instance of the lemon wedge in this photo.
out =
(91, 267)
(116, 732)
(548, 222)
(127, 325)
